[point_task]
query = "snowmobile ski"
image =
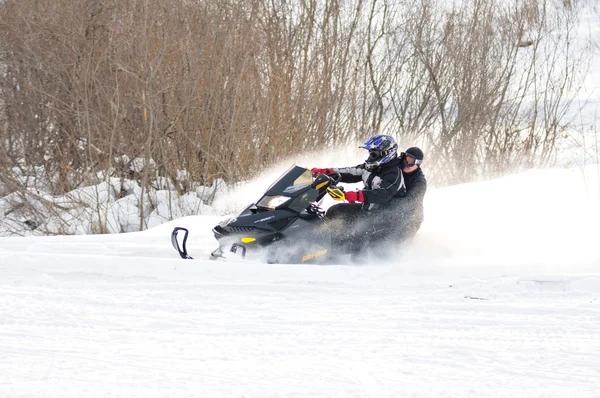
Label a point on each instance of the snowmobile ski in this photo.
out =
(182, 250)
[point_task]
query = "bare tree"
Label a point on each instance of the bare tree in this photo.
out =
(151, 90)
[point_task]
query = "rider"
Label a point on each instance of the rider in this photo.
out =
(391, 200)
(410, 203)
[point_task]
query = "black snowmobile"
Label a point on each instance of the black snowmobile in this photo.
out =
(284, 226)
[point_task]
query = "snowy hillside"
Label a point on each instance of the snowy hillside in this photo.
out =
(499, 295)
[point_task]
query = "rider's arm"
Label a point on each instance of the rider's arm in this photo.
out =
(351, 174)
(412, 197)
(385, 187)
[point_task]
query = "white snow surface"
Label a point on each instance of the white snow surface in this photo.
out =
(497, 296)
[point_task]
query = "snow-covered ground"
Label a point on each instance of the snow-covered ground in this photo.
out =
(499, 295)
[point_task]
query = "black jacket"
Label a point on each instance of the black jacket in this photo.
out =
(382, 185)
(410, 201)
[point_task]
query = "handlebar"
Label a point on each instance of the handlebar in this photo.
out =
(335, 178)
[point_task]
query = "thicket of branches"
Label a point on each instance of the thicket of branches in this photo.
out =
(222, 88)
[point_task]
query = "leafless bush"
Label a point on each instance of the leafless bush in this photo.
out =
(222, 88)
(485, 85)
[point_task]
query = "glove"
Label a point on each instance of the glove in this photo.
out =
(356, 196)
(316, 170)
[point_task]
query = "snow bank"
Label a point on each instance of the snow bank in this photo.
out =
(112, 206)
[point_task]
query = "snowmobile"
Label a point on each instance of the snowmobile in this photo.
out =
(284, 226)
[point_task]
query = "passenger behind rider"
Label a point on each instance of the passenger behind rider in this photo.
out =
(391, 203)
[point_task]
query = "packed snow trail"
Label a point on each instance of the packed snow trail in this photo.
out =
(99, 325)
(497, 296)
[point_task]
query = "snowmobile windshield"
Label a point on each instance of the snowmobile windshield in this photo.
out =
(291, 182)
(288, 188)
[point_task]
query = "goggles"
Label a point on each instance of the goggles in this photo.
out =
(410, 160)
(378, 153)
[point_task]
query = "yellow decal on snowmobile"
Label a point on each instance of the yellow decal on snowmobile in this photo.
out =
(321, 185)
(248, 240)
(336, 193)
(310, 256)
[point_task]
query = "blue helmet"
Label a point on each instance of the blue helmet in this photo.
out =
(382, 149)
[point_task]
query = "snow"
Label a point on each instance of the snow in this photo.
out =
(113, 206)
(498, 295)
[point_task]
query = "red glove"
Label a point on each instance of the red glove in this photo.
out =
(316, 170)
(355, 196)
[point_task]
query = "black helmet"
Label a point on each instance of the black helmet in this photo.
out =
(415, 153)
